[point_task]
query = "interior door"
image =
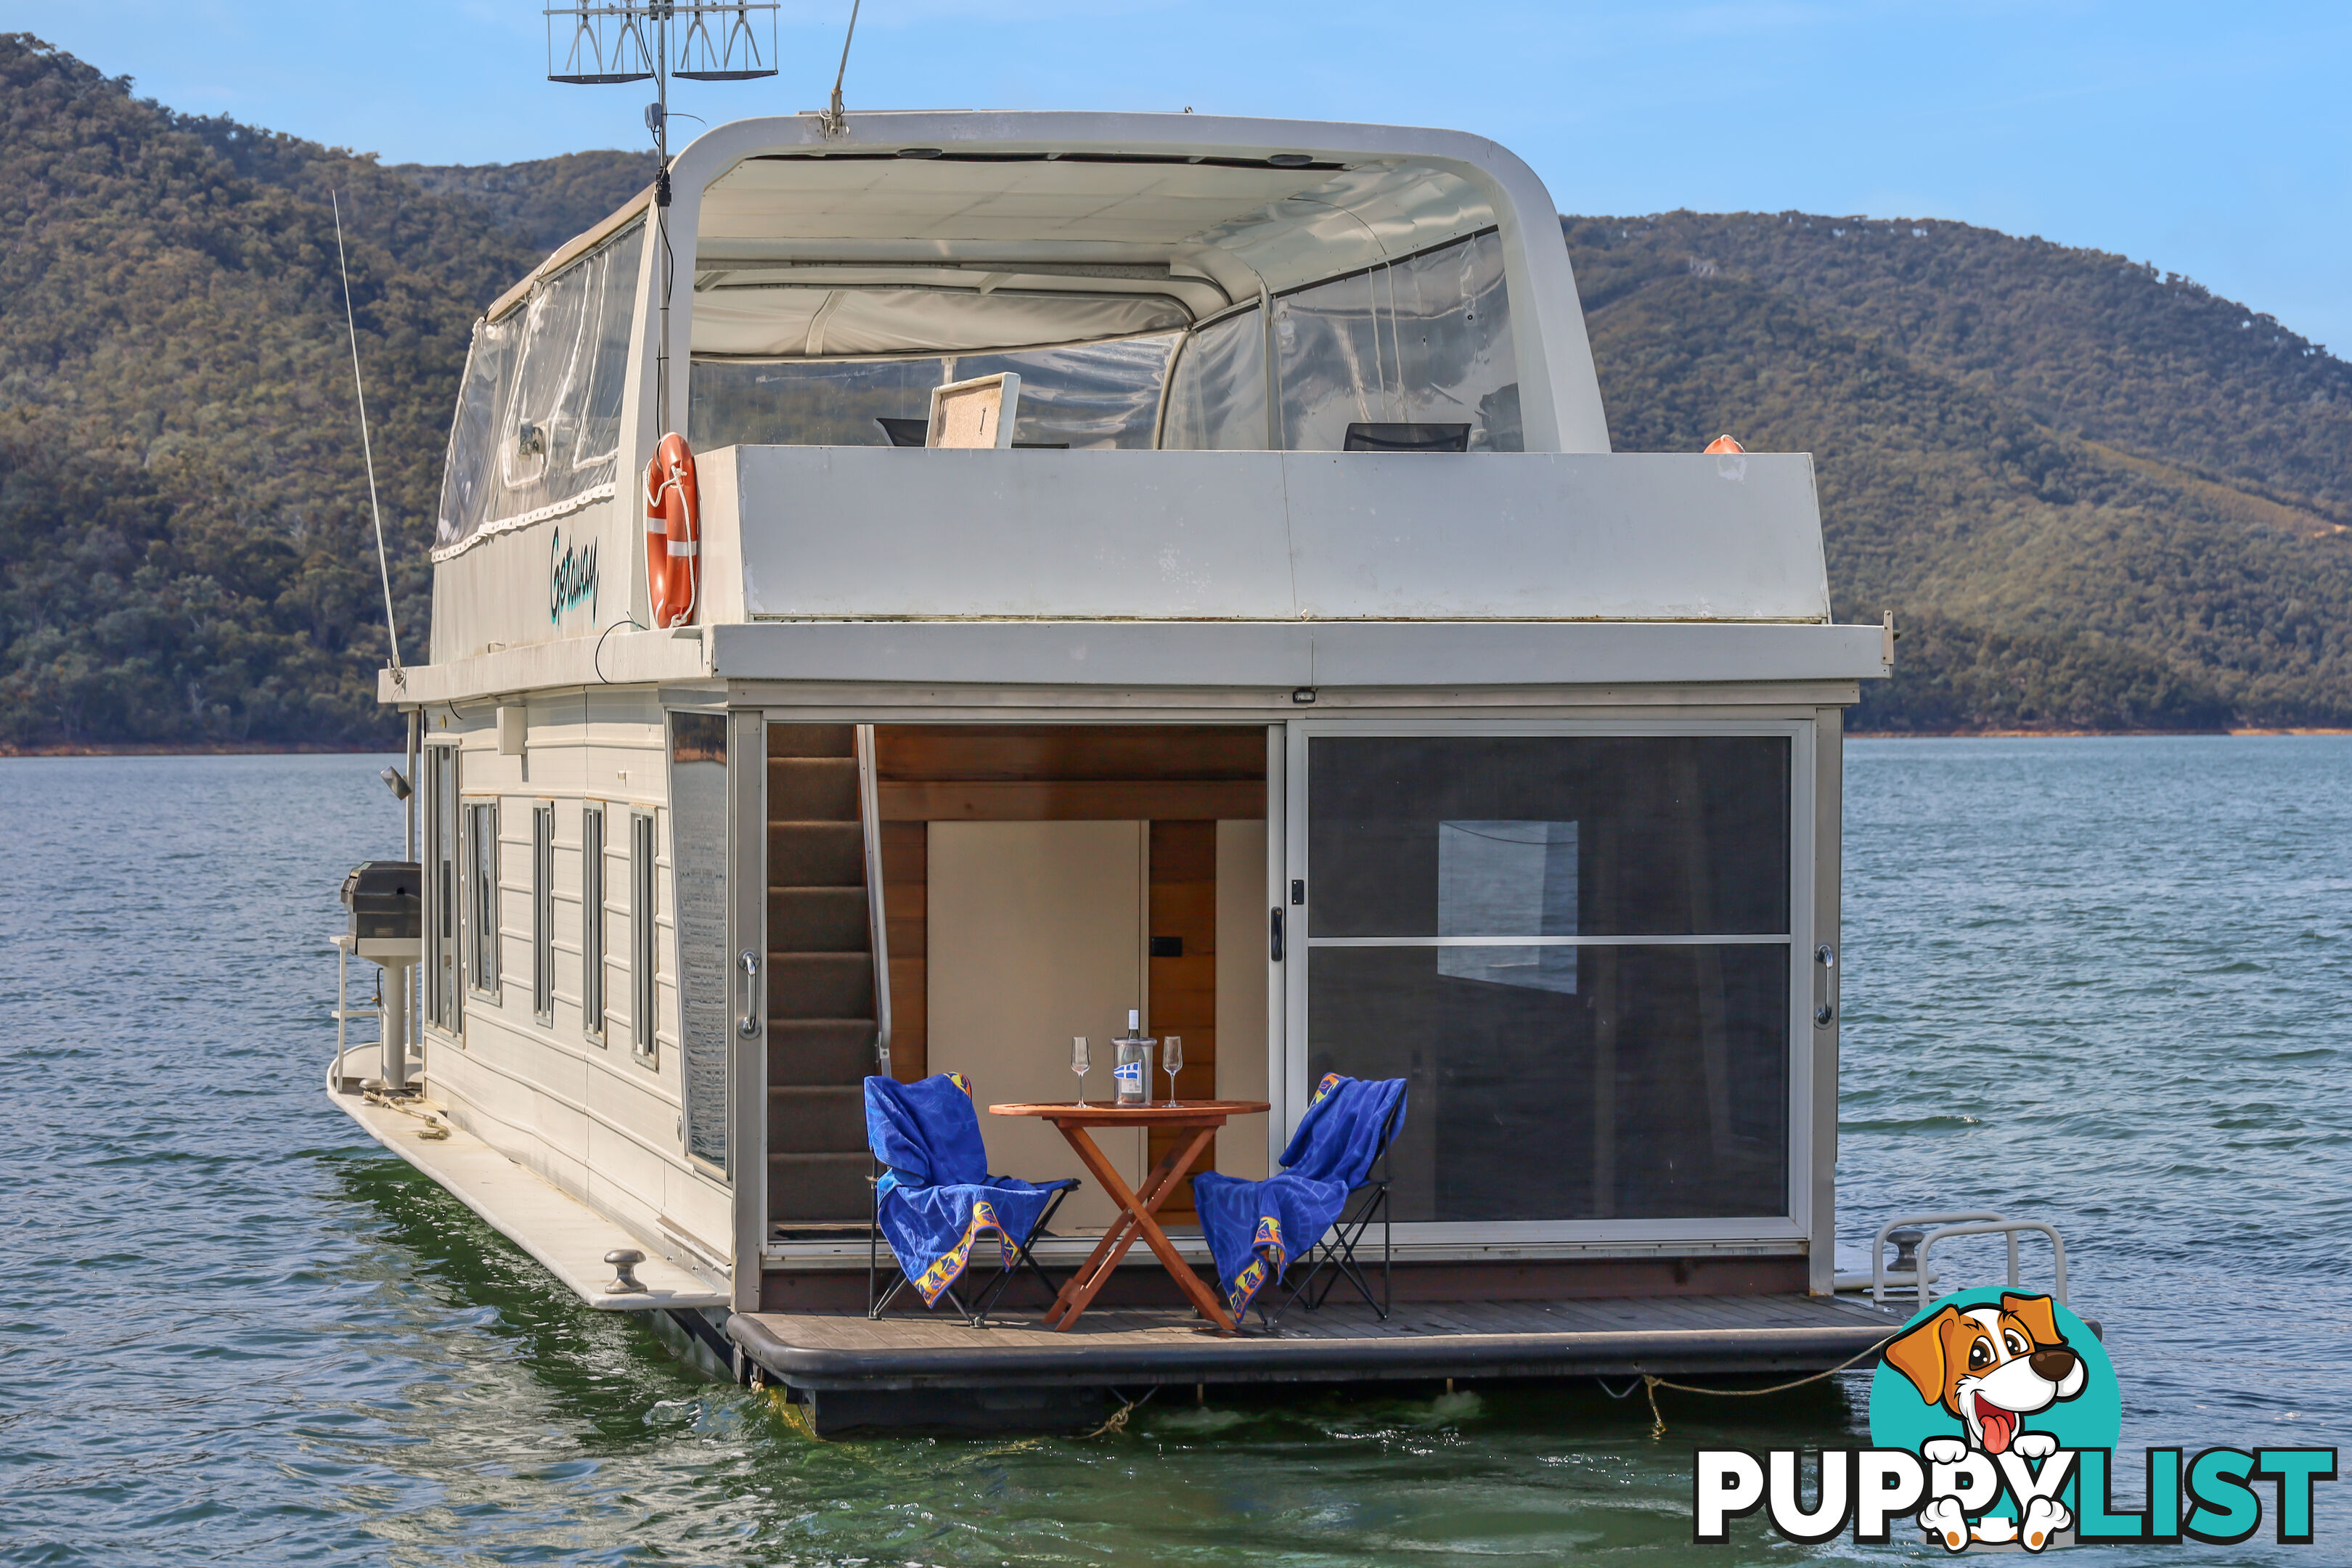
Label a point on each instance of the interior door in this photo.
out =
(1037, 935)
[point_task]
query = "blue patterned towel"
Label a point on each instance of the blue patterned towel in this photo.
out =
(936, 1195)
(1255, 1228)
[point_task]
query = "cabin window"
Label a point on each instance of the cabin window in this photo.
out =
(643, 1020)
(482, 896)
(539, 411)
(542, 914)
(1084, 396)
(1577, 948)
(592, 923)
(443, 993)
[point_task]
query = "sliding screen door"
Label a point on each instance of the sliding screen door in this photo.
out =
(1578, 950)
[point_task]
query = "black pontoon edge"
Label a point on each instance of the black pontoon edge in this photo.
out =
(1663, 1351)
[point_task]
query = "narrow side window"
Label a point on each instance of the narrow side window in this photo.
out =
(641, 932)
(542, 914)
(482, 896)
(592, 923)
(442, 991)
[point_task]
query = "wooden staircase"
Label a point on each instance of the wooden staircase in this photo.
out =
(823, 1016)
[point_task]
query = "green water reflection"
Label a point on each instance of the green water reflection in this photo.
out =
(589, 1406)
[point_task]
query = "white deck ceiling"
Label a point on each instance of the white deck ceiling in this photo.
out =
(788, 323)
(896, 199)
(884, 223)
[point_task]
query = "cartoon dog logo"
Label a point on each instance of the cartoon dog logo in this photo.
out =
(1991, 1367)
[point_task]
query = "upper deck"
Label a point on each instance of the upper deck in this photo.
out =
(1225, 331)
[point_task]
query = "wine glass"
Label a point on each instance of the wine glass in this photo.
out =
(1080, 1060)
(1172, 1061)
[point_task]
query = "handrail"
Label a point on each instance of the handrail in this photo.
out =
(869, 821)
(344, 944)
(1920, 1278)
(2008, 1227)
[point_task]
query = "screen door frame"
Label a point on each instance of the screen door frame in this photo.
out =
(1291, 1087)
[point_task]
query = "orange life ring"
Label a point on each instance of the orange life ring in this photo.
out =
(672, 533)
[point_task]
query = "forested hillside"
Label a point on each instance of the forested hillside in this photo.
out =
(543, 204)
(2094, 496)
(185, 552)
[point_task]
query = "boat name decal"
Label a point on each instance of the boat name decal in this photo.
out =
(572, 576)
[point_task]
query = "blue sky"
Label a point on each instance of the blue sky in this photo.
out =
(2212, 140)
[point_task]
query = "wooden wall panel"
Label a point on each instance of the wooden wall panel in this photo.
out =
(905, 904)
(1182, 902)
(1017, 754)
(1072, 800)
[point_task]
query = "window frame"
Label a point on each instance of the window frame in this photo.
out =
(1290, 1090)
(483, 949)
(592, 921)
(543, 912)
(443, 814)
(644, 948)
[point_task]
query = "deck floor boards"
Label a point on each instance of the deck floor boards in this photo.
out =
(1342, 1342)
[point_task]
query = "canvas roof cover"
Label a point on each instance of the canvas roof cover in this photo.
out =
(1176, 239)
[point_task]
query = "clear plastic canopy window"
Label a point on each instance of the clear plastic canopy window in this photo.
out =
(539, 412)
(1092, 395)
(1424, 340)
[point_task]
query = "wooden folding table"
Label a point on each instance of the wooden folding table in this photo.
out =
(1137, 1208)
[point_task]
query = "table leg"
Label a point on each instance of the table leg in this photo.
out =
(1091, 1157)
(1096, 1271)
(1136, 1219)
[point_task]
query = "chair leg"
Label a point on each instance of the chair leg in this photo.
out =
(1023, 1262)
(882, 1304)
(1275, 1285)
(976, 1314)
(873, 1302)
(1337, 1253)
(978, 1320)
(1314, 1261)
(1024, 1259)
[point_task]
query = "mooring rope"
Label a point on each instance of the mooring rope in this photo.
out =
(1118, 1422)
(434, 1128)
(1651, 1385)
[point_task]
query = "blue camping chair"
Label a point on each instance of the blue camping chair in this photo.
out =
(933, 1196)
(1333, 1187)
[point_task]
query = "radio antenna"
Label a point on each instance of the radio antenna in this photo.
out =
(836, 118)
(367, 447)
(605, 41)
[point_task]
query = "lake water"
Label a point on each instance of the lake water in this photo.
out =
(2106, 982)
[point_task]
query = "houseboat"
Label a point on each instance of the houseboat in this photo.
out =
(1293, 664)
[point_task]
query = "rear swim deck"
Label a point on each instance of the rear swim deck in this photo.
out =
(852, 1371)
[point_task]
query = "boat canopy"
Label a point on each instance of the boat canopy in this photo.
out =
(1153, 284)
